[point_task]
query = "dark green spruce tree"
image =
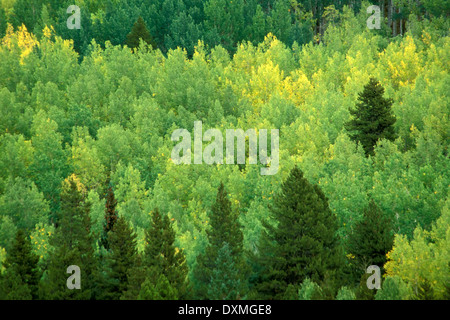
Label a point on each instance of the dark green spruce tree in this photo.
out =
(137, 275)
(157, 287)
(362, 291)
(372, 118)
(225, 278)
(225, 229)
(139, 31)
(110, 217)
(301, 243)
(21, 276)
(371, 239)
(121, 259)
(163, 266)
(368, 244)
(73, 245)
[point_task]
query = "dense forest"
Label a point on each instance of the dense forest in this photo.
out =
(87, 177)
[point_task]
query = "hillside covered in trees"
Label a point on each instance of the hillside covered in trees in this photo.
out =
(86, 170)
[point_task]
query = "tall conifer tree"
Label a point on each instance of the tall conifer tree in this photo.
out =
(121, 259)
(21, 277)
(372, 118)
(225, 281)
(371, 239)
(302, 243)
(139, 31)
(110, 217)
(157, 287)
(225, 229)
(162, 257)
(73, 245)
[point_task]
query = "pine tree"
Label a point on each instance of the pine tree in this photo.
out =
(122, 258)
(363, 292)
(225, 229)
(302, 243)
(110, 217)
(371, 239)
(139, 31)
(27, 12)
(21, 276)
(73, 245)
(372, 118)
(136, 277)
(162, 255)
(225, 282)
(157, 287)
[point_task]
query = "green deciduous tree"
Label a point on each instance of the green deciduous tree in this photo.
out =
(24, 204)
(49, 164)
(345, 293)
(423, 261)
(309, 290)
(393, 288)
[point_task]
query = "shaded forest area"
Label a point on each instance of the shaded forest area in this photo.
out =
(87, 179)
(181, 23)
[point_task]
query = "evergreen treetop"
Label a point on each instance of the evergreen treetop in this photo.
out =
(111, 217)
(139, 31)
(225, 229)
(122, 258)
(162, 254)
(73, 245)
(21, 276)
(302, 243)
(372, 117)
(371, 239)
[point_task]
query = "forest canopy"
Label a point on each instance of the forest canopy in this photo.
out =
(85, 138)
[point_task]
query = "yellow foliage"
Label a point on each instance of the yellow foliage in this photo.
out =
(24, 40)
(73, 178)
(266, 80)
(48, 32)
(402, 61)
(296, 90)
(425, 258)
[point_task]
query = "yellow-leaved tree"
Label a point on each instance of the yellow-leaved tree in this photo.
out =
(424, 262)
(22, 38)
